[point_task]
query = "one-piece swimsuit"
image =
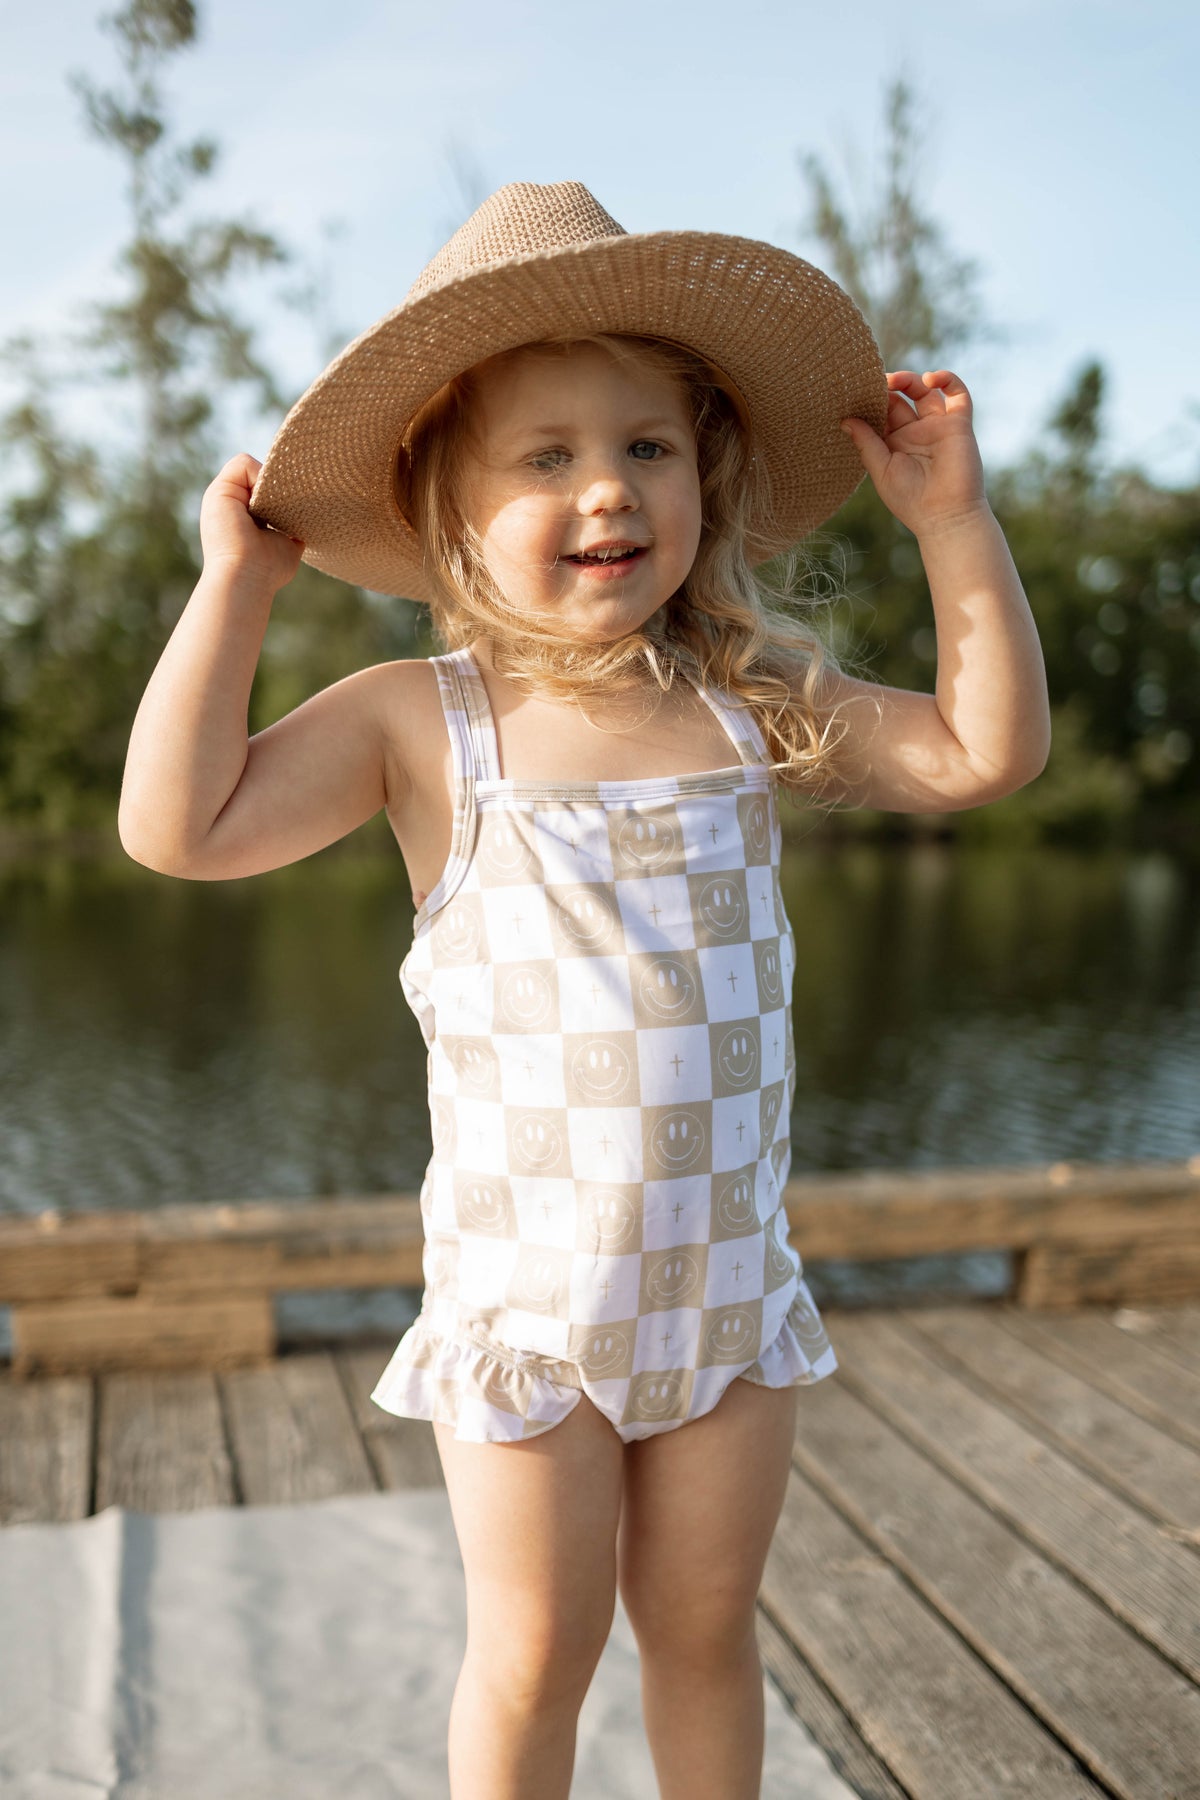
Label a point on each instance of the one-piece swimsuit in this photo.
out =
(603, 977)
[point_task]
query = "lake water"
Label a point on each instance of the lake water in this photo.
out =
(167, 1040)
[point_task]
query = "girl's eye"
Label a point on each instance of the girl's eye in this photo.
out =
(646, 444)
(540, 459)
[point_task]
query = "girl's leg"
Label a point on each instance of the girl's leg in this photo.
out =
(536, 1523)
(700, 1507)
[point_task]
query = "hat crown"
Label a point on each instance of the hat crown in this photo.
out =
(521, 218)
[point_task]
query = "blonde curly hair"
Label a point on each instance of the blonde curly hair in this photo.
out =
(729, 625)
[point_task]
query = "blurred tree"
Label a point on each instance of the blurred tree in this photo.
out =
(1111, 563)
(920, 299)
(99, 552)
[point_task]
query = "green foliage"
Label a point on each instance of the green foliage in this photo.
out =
(1110, 563)
(99, 551)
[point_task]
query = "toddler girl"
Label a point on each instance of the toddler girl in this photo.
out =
(577, 445)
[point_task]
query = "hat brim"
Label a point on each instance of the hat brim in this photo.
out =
(793, 342)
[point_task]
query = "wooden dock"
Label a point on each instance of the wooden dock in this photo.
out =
(985, 1584)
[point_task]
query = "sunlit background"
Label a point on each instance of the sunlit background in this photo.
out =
(1016, 984)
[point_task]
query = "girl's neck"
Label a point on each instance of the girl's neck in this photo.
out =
(620, 704)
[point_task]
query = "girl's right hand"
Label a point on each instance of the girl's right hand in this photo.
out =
(231, 539)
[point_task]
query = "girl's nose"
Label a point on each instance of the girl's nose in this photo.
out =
(608, 488)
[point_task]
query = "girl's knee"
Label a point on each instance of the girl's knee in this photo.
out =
(715, 1646)
(705, 1632)
(539, 1667)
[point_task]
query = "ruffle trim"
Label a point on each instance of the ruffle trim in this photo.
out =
(489, 1395)
(800, 1353)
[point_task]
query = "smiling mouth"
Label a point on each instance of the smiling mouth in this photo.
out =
(606, 558)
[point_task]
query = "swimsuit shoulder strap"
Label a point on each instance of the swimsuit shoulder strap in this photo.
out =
(469, 720)
(741, 727)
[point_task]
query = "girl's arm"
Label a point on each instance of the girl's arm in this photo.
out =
(986, 729)
(199, 797)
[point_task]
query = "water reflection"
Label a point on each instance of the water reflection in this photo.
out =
(169, 1040)
(207, 1041)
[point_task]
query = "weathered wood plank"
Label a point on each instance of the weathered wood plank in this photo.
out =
(821, 1716)
(365, 1241)
(1175, 1330)
(1107, 1543)
(1147, 1464)
(268, 1245)
(293, 1433)
(935, 1715)
(1136, 1369)
(1144, 1272)
(1130, 1719)
(45, 1450)
(919, 1212)
(403, 1452)
(161, 1443)
(143, 1331)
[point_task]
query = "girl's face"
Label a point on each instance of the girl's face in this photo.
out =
(574, 452)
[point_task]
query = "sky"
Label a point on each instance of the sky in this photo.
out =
(1060, 144)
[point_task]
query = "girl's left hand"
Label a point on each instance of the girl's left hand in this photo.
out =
(926, 467)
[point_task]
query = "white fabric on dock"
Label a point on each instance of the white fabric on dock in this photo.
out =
(244, 1653)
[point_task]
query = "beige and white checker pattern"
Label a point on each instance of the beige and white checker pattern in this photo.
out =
(602, 977)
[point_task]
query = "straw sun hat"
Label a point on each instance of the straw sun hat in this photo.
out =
(543, 261)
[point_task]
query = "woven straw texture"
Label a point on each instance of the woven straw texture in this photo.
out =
(537, 261)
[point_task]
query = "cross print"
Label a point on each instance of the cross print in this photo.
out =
(765, 901)
(653, 914)
(678, 1061)
(713, 833)
(731, 978)
(574, 843)
(518, 920)
(677, 1209)
(775, 1046)
(737, 1270)
(604, 1144)
(546, 1208)
(666, 1338)
(741, 1126)
(528, 1068)
(594, 991)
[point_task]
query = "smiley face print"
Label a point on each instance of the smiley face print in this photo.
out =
(526, 997)
(754, 817)
(476, 1066)
(735, 1210)
(769, 973)
(540, 1280)
(735, 1054)
(584, 919)
(644, 843)
(656, 1396)
(606, 1351)
(600, 1070)
(677, 1140)
(537, 1141)
(483, 1203)
(731, 1334)
(610, 1220)
(667, 990)
(503, 851)
(673, 1278)
(458, 934)
(720, 908)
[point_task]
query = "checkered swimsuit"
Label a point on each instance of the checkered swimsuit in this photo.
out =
(602, 977)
